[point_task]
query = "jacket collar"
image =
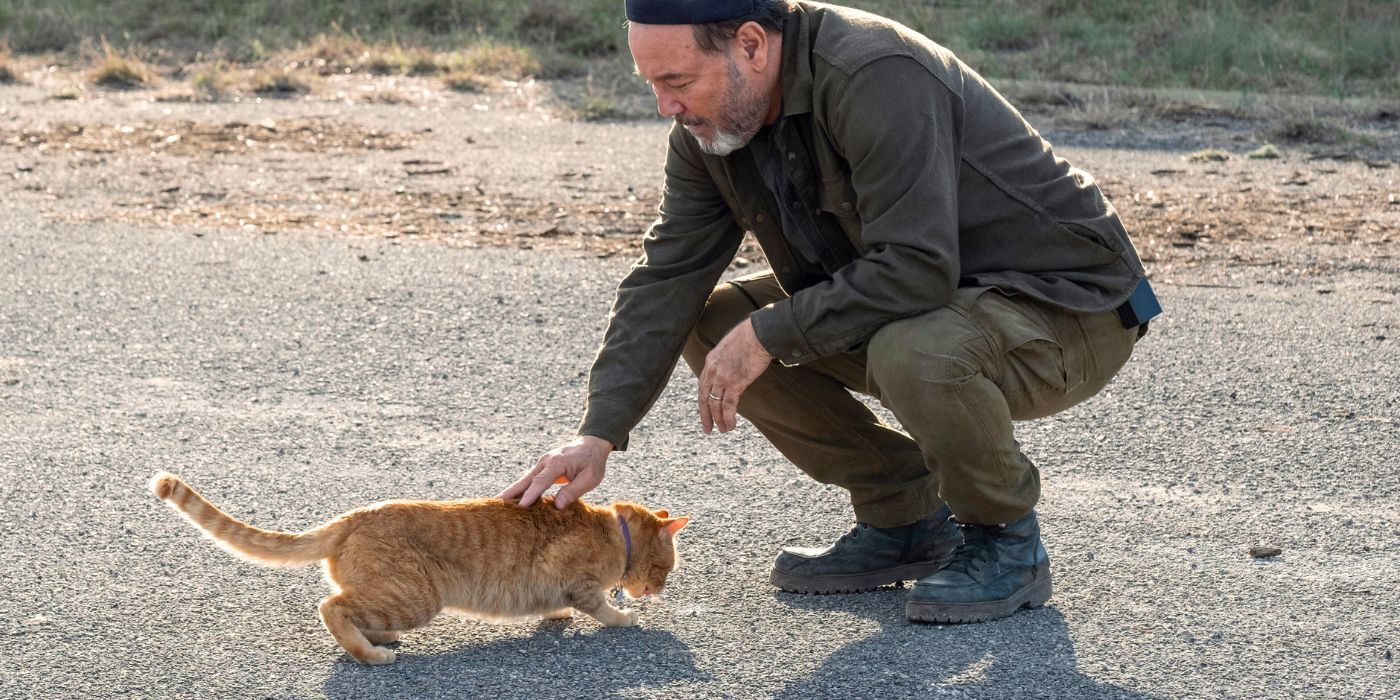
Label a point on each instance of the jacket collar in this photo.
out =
(797, 63)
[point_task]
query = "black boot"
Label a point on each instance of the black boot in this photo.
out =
(997, 570)
(869, 557)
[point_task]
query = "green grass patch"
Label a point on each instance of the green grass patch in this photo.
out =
(212, 80)
(507, 60)
(1209, 155)
(1266, 152)
(398, 60)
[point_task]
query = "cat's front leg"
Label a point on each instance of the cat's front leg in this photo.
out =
(593, 602)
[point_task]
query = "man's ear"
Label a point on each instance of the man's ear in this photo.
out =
(752, 39)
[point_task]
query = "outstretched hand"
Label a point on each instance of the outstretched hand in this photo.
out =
(730, 368)
(578, 464)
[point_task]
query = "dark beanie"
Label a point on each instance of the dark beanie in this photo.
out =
(687, 11)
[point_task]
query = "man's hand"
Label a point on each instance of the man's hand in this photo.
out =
(578, 464)
(730, 368)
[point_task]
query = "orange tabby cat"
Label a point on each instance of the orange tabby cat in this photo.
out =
(395, 565)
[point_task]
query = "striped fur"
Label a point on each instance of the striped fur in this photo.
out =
(395, 565)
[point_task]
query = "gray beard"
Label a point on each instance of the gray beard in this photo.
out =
(741, 118)
(723, 143)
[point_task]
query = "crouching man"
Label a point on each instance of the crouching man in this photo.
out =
(928, 249)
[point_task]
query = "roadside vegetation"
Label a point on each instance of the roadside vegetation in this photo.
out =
(1326, 47)
(7, 73)
(1333, 48)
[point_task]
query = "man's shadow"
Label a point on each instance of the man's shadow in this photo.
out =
(1029, 654)
(560, 659)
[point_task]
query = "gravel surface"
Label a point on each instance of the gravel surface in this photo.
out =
(299, 323)
(293, 377)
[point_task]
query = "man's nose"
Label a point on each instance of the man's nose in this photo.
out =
(666, 105)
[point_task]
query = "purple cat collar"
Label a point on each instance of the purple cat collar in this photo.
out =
(627, 541)
(686, 11)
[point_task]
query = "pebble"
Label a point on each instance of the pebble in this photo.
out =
(1264, 552)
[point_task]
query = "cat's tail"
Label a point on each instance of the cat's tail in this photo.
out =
(241, 539)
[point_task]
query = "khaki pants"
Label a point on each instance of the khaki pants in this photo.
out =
(955, 378)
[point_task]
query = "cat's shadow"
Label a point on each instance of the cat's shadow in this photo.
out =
(1028, 654)
(558, 658)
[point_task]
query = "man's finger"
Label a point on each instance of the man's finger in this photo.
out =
(540, 482)
(729, 409)
(575, 489)
(707, 422)
(514, 490)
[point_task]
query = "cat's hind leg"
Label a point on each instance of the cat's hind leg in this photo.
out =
(592, 601)
(560, 614)
(381, 637)
(338, 613)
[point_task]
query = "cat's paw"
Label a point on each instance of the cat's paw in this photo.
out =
(631, 617)
(379, 656)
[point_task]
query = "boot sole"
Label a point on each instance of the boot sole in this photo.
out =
(853, 583)
(1032, 596)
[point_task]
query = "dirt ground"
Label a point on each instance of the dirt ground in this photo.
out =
(407, 159)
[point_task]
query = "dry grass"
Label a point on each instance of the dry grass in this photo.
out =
(118, 72)
(495, 58)
(466, 81)
(336, 52)
(8, 74)
(397, 60)
(1209, 155)
(1315, 131)
(270, 83)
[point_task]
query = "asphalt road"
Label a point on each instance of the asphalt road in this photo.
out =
(293, 377)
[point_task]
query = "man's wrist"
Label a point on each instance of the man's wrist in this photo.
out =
(598, 443)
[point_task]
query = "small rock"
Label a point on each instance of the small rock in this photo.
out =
(1264, 552)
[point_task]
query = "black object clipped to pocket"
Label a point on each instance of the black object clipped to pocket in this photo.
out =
(1142, 306)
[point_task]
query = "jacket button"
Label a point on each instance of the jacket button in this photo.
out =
(758, 218)
(846, 206)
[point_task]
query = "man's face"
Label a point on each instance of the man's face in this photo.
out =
(707, 93)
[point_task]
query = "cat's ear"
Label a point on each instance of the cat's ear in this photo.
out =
(662, 514)
(670, 526)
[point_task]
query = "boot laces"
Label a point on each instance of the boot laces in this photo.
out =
(976, 550)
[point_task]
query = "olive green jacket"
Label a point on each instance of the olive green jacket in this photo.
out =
(936, 180)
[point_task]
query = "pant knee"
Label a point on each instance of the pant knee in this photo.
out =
(941, 347)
